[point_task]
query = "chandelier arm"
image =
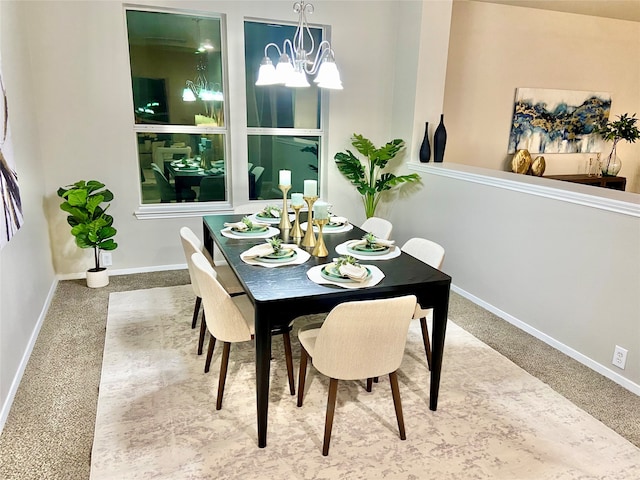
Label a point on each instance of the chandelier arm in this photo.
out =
(266, 47)
(324, 49)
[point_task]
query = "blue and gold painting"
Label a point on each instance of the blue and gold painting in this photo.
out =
(558, 121)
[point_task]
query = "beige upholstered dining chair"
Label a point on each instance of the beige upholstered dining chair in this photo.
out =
(192, 244)
(357, 340)
(380, 227)
(229, 319)
(432, 254)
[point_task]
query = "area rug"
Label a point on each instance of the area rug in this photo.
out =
(156, 415)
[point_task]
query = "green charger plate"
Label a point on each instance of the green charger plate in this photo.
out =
(253, 231)
(330, 272)
(285, 255)
(364, 250)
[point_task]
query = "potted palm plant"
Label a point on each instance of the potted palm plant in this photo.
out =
(622, 129)
(366, 175)
(90, 224)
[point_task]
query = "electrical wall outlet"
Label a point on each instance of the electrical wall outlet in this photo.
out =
(105, 259)
(619, 357)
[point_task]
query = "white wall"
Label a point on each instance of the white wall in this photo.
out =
(26, 273)
(498, 48)
(566, 272)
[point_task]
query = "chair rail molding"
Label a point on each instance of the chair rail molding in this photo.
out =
(625, 203)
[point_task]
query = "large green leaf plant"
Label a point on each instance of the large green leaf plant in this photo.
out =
(90, 224)
(366, 175)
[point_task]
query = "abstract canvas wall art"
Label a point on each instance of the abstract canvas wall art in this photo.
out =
(9, 192)
(558, 121)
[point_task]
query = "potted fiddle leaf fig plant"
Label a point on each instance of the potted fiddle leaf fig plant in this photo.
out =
(366, 175)
(622, 129)
(91, 226)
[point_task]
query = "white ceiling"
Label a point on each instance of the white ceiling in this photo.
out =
(620, 9)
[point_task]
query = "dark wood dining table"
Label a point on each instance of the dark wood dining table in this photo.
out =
(279, 295)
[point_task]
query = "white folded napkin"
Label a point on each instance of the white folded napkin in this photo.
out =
(357, 273)
(379, 241)
(236, 225)
(339, 220)
(273, 213)
(243, 226)
(263, 250)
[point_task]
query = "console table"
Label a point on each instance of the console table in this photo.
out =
(617, 183)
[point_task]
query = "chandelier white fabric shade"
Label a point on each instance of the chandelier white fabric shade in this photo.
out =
(293, 67)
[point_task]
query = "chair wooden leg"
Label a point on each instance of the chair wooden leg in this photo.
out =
(212, 343)
(425, 340)
(289, 359)
(196, 311)
(369, 384)
(223, 373)
(375, 379)
(203, 330)
(395, 391)
(302, 375)
(331, 408)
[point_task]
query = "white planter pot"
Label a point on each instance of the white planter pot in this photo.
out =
(97, 279)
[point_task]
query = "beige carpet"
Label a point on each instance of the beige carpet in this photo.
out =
(156, 413)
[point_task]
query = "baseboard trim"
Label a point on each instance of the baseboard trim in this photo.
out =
(579, 357)
(13, 389)
(126, 271)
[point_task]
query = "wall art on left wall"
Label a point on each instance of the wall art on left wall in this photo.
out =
(558, 121)
(9, 191)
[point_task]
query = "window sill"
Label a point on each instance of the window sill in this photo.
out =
(172, 210)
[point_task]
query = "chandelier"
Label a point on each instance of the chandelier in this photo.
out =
(201, 88)
(294, 66)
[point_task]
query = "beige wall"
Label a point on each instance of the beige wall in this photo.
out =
(26, 272)
(497, 48)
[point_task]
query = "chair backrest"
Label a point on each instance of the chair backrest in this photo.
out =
(211, 189)
(380, 227)
(364, 339)
(224, 320)
(425, 250)
(257, 174)
(167, 192)
(191, 244)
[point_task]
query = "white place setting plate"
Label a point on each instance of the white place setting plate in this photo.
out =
(318, 274)
(295, 256)
(328, 228)
(268, 233)
(344, 249)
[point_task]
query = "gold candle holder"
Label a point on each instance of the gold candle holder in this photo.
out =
(309, 240)
(285, 224)
(320, 250)
(296, 231)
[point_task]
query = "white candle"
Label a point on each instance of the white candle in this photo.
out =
(296, 199)
(320, 210)
(310, 188)
(285, 177)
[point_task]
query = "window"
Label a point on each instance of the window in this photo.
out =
(177, 78)
(284, 125)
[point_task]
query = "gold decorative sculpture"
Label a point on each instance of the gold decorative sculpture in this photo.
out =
(521, 162)
(538, 166)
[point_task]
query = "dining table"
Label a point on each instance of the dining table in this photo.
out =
(279, 295)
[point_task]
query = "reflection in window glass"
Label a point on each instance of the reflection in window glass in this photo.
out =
(182, 167)
(178, 101)
(269, 154)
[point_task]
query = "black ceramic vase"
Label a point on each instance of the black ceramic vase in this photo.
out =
(425, 148)
(439, 141)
